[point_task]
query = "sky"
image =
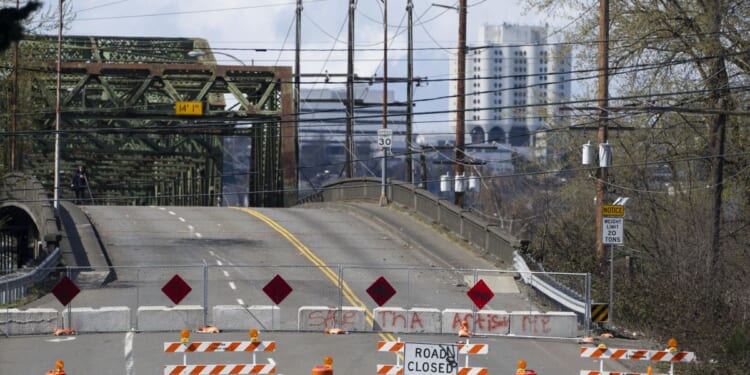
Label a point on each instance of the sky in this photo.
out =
(239, 27)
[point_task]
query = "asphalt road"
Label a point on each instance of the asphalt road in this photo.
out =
(242, 249)
(296, 353)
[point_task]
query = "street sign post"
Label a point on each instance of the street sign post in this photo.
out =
(612, 230)
(385, 138)
(480, 294)
(277, 289)
(612, 234)
(430, 359)
(381, 291)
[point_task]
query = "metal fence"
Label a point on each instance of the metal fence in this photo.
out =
(468, 226)
(245, 286)
(15, 287)
(465, 224)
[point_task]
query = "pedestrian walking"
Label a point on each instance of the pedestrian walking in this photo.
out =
(80, 183)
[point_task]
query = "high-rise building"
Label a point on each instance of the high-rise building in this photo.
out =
(515, 84)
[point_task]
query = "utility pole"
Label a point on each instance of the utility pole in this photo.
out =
(384, 171)
(14, 105)
(460, 99)
(409, 93)
(297, 76)
(297, 58)
(56, 195)
(603, 89)
(349, 167)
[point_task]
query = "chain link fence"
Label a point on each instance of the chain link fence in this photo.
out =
(245, 287)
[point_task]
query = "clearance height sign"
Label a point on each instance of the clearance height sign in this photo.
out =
(430, 359)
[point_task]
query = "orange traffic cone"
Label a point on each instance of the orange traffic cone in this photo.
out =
(64, 331)
(464, 331)
(335, 331)
(58, 368)
(325, 369)
(208, 329)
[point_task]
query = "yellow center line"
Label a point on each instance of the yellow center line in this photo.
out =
(335, 279)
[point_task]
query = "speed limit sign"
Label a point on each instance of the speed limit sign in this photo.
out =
(385, 138)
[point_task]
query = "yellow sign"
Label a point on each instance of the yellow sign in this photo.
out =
(613, 210)
(188, 108)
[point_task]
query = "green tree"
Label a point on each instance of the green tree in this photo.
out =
(679, 73)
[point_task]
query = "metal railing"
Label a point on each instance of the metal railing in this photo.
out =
(464, 224)
(14, 287)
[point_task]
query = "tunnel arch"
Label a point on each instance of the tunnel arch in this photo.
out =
(28, 215)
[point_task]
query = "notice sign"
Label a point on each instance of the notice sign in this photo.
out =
(430, 359)
(612, 231)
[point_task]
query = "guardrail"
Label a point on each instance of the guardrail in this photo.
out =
(14, 288)
(465, 224)
(565, 299)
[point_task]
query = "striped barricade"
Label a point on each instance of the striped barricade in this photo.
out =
(218, 347)
(671, 355)
(397, 347)
(638, 355)
(219, 369)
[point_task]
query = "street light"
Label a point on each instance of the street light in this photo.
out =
(203, 52)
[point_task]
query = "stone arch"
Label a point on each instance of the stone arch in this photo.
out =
(519, 136)
(24, 195)
(496, 134)
(477, 135)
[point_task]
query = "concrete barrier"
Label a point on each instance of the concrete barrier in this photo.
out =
(104, 319)
(415, 320)
(452, 318)
(551, 324)
(239, 318)
(163, 318)
(491, 322)
(34, 321)
(320, 318)
(488, 322)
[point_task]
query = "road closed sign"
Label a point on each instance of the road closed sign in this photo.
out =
(430, 359)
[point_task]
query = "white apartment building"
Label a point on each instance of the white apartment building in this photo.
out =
(515, 81)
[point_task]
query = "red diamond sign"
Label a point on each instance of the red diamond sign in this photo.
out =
(65, 290)
(480, 294)
(277, 289)
(176, 289)
(381, 291)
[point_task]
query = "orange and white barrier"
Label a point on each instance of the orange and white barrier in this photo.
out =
(637, 354)
(219, 369)
(219, 346)
(472, 371)
(671, 355)
(184, 346)
(466, 348)
(397, 347)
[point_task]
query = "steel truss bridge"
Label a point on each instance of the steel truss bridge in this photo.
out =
(118, 119)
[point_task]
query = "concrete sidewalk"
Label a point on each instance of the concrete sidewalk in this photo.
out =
(80, 247)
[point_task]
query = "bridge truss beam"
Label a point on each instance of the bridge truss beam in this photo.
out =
(119, 120)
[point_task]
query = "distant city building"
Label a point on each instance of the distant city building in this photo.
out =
(515, 81)
(322, 133)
